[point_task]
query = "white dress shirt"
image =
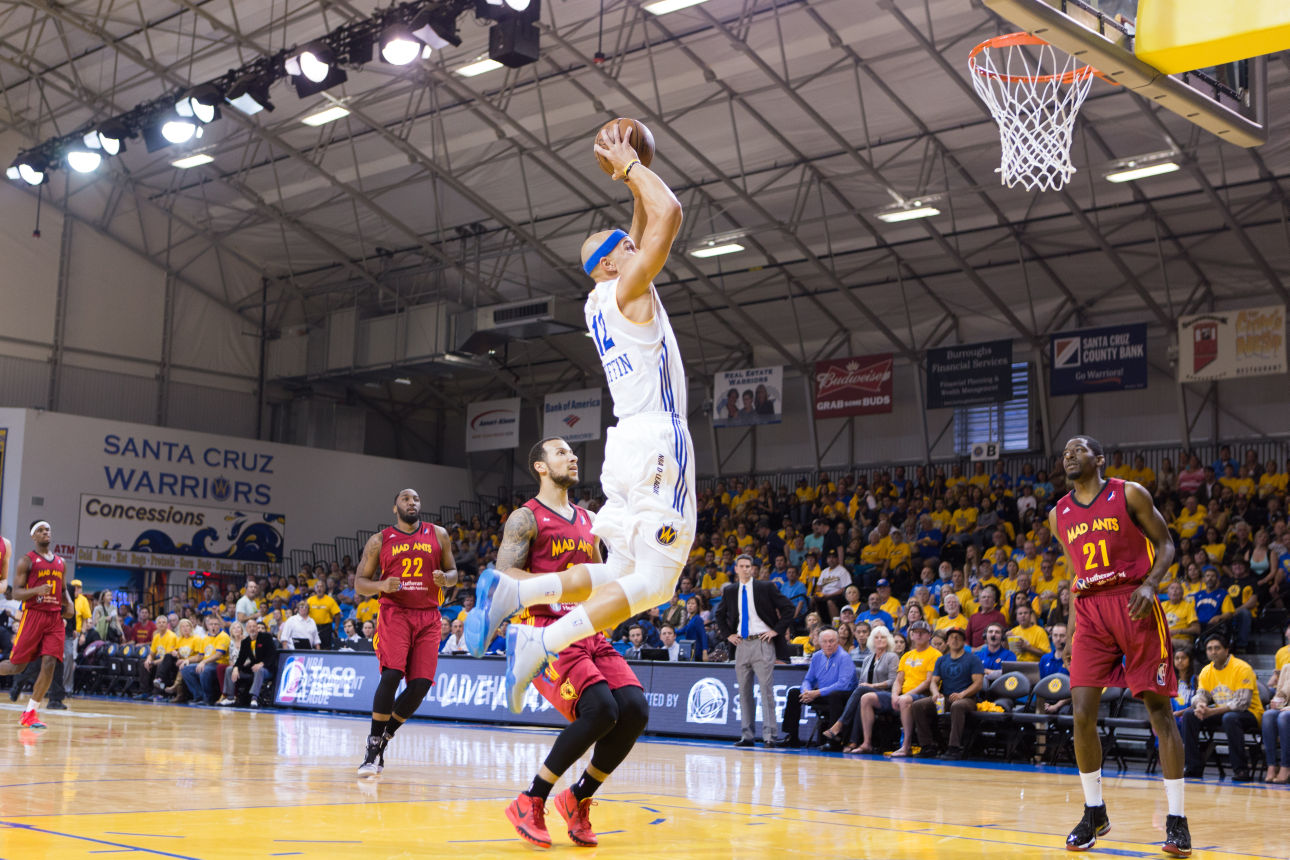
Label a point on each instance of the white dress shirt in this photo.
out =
(296, 627)
(755, 625)
(453, 643)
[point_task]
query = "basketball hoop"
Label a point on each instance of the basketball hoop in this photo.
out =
(1035, 96)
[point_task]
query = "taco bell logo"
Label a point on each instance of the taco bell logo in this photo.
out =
(294, 680)
(708, 702)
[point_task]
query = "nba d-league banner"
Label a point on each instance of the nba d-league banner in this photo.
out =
(574, 416)
(744, 397)
(493, 425)
(969, 375)
(860, 385)
(1099, 359)
(691, 699)
(1232, 344)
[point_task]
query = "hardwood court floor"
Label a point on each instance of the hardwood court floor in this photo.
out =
(112, 777)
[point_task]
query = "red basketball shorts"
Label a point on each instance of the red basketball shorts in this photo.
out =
(40, 634)
(1112, 650)
(585, 662)
(408, 640)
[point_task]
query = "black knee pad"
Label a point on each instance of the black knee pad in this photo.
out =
(383, 698)
(633, 709)
(597, 706)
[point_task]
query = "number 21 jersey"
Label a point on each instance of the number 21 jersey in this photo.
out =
(1107, 549)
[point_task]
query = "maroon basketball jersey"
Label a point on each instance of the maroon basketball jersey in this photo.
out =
(1106, 548)
(560, 543)
(45, 570)
(412, 559)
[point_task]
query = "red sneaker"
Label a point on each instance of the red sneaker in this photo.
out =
(528, 814)
(30, 721)
(577, 815)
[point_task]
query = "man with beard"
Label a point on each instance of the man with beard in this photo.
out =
(408, 565)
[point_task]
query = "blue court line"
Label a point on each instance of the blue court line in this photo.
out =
(287, 854)
(325, 841)
(34, 829)
(474, 841)
(658, 821)
(647, 809)
(150, 835)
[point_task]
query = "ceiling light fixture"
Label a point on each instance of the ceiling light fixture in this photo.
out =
(436, 29)
(909, 210)
(250, 94)
(478, 67)
(325, 116)
(192, 161)
(84, 159)
(662, 7)
(1142, 166)
(398, 46)
(713, 250)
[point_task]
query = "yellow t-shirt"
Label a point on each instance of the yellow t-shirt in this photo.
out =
(954, 481)
(1122, 471)
(744, 542)
(716, 580)
(930, 614)
(964, 519)
(1215, 551)
(982, 481)
(1035, 635)
(322, 609)
(891, 606)
(1030, 566)
(966, 601)
(1190, 588)
(1145, 476)
(188, 646)
(805, 494)
(942, 520)
(1221, 684)
(1178, 615)
(1270, 482)
(83, 611)
(898, 556)
(874, 554)
(164, 643)
(945, 622)
(280, 592)
(219, 642)
(366, 611)
(1188, 524)
(917, 666)
(998, 555)
(1282, 658)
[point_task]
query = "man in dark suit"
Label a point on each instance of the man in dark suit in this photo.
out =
(257, 660)
(753, 616)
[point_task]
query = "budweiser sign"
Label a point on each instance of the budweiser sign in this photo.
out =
(853, 386)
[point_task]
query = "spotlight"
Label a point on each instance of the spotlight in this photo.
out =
(170, 128)
(32, 170)
(12, 173)
(314, 62)
(513, 40)
(83, 159)
(437, 29)
(111, 137)
(179, 130)
(250, 94)
(398, 46)
(191, 108)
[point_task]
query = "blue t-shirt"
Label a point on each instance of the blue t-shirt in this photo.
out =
(1209, 604)
(995, 660)
(1050, 664)
(879, 616)
(932, 549)
(956, 675)
(792, 590)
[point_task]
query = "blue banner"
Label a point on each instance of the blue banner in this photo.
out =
(969, 374)
(692, 699)
(1099, 359)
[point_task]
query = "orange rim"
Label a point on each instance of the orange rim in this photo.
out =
(1010, 40)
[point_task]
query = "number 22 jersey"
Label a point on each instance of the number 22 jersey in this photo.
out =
(412, 559)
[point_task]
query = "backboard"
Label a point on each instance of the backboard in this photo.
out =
(1229, 101)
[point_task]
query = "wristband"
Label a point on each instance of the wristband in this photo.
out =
(628, 169)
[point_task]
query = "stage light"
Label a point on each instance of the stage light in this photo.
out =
(84, 160)
(314, 62)
(192, 161)
(110, 138)
(250, 94)
(312, 83)
(513, 41)
(32, 174)
(398, 46)
(179, 129)
(325, 116)
(436, 29)
(478, 67)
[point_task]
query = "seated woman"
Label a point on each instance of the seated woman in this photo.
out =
(876, 671)
(1276, 720)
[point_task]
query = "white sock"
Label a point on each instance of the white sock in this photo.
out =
(31, 706)
(1174, 794)
(601, 575)
(1092, 787)
(567, 630)
(540, 589)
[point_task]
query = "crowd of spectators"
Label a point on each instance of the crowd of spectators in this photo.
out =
(911, 551)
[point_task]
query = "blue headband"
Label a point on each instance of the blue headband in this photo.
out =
(605, 247)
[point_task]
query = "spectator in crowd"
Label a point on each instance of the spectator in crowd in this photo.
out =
(236, 636)
(1227, 697)
(987, 614)
(164, 641)
(795, 591)
(953, 616)
(1213, 604)
(300, 630)
(994, 653)
(1180, 615)
(913, 679)
(831, 586)
(1276, 719)
(1052, 662)
(1028, 640)
(692, 626)
(369, 631)
(105, 620)
(201, 672)
(673, 648)
(248, 606)
(829, 680)
(257, 658)
(456, 641)
(140, 632)
(955, 684)
(635, 642)
(875, 673)
(323, 610)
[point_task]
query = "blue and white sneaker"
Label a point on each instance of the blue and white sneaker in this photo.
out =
(497, 597)
(526, 657)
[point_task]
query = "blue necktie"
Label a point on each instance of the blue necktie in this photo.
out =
(743, 611)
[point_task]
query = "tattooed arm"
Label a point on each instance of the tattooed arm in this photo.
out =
(517, 540)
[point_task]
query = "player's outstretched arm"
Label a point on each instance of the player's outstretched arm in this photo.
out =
(1146, 517)
(659, 225)
(367, 578)
(517, 540)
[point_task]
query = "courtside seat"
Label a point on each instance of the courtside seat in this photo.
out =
(996, 729)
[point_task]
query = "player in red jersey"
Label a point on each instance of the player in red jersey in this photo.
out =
(408, 565)
(588, 682)
(1118, 549)
(40, 583)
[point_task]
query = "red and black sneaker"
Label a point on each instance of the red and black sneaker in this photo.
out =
(528, 814)
(1177, 836)
(30, 721)
(577, 815)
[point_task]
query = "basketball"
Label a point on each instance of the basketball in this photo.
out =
(634, 132)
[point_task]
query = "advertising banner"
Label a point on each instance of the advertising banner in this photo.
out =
(1232, 344)
(860, 385)
(118, 532)
(1099, 359)
(969, 374)
(573, 415)
(744, 397)
(695, 699)
(493, 425)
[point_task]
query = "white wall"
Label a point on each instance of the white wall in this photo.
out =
(53, 458)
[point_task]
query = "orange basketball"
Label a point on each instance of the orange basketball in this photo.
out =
(636, 134)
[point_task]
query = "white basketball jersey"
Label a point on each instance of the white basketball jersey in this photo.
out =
(641, 360)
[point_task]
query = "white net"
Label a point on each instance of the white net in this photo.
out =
(1034, 92)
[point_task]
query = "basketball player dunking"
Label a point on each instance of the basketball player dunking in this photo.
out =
(40, 583)
(408, 565)
(589, 682)
(648, 476)
(1118, 548)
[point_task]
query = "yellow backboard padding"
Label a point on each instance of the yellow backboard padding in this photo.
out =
(1181, 35)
